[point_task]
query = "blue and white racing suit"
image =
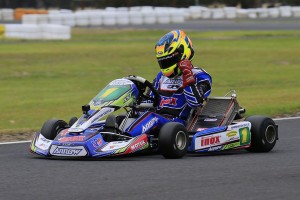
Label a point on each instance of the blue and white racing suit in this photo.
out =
(175, 103)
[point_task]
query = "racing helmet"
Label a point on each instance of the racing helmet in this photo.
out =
(172, 48)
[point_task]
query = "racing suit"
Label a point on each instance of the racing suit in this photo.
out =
(175, 103)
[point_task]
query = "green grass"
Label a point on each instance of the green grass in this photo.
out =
(52, 79)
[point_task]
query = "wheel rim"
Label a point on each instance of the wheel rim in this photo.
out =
(270, 134)
(180, 140)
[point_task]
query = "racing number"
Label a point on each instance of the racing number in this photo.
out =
(244, 136)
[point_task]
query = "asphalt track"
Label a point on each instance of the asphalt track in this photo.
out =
(230, 175)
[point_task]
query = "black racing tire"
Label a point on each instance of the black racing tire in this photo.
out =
(72, 121)
(52, 127)
(173, 140)
(264, 134)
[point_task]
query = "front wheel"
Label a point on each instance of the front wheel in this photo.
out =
(264, 134)
(72, 121)
(52, 127)
(173, 140)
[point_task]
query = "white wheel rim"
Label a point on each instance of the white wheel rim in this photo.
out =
(180, 140)
(270, 134)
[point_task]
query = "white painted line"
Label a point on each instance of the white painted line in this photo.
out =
(16, 142)
(285, 118)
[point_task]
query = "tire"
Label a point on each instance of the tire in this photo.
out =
(52, 127)
(173, 140)
(72, 121)
(264, 134)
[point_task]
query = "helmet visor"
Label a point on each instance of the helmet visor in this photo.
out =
(168, 61)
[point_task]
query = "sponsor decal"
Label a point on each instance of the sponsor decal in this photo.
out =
(149, 124)
(67, 144)
(43, 143)
(126, 147)
(173, 86)
(72, 139)
(115, 145)
(234, 138)
(104, 112)
(245, 136)
(168, 101)
(67, 151)
(216, 140)
(126, 98)
(239, 126)
(217, 148)
(211, 140)
(140, 143)
(210, 119)
(173, 81)
(120, 82)
(42, 146)
(46, 141)
(167, 57)
(231, 134)
(137, 145)
(64, 132)
(97, 142)
(231, 146)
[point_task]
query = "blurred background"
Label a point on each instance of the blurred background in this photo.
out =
(75, 4)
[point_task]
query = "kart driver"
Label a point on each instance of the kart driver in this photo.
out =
(180, 84)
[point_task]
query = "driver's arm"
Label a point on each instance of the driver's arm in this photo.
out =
(196, 93)
(149, 92)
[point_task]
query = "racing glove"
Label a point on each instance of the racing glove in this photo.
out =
(187, 75)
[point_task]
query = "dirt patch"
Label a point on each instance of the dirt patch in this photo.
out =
(297, 114)
(12, 137)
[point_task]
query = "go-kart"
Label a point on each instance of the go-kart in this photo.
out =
(216, 126)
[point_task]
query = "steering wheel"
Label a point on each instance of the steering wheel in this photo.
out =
(142, 84)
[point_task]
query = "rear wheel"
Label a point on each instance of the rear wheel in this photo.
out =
(264, 134)
(52, 127)
(173, 140)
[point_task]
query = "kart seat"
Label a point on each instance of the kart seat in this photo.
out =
(218, 111)
(110, 123)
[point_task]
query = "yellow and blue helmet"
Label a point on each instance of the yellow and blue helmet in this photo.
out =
(172, 48)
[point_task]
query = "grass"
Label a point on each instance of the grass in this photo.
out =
(52, 79)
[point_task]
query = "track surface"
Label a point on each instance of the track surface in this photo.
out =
(231, 175)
